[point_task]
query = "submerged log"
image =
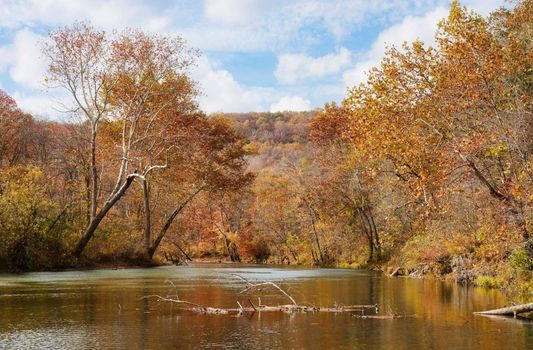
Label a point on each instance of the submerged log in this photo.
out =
(195, 308)
(291, 308)
(383, 317)
(360, 311)
(508, 311)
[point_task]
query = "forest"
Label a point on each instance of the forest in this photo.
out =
(425, 169)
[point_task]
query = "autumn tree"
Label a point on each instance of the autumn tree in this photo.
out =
(206, 155)
(447, 121)
(130, 78)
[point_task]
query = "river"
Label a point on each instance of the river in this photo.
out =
(105, 309)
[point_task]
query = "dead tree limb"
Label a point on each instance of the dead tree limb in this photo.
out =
(361, 310)
(182, 251)
(358, 311)
(508, 311)
(383, 317)
(196, 308)
(269, 283)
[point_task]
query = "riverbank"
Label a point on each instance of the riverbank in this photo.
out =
(516, 284)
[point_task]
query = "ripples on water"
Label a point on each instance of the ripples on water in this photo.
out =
(104, 309)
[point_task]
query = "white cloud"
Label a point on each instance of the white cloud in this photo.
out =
(277, 25)
(6, 57)
(484, 7)
(23, 61)
(42, 104)
(233, 12)
(409, 29)
(104, 14)
(293, 68)
(221, 92)
(341, 17)
(242, 25)
(291, 103)
(27, 64)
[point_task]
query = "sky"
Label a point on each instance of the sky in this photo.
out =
(257, 55)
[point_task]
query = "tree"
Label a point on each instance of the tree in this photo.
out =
(28, 220)
(131, 78)
(207, 155)
(19, 134)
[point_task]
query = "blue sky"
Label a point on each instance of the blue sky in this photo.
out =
(258, 55)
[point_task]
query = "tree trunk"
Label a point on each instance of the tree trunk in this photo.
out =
(512, 310)
(226, 245)
(93, 225)
(515, 206)
(293, 253)
(182, 251)
(234, 252)
(147, 232)
(377, 242)
(170, 220)
(523, 225)
(320, 256)
(365, 225)
(88, 204)
(94, 174)
(313, 255)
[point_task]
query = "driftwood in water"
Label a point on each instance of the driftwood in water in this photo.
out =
(397, 272)
(383, 317)
(360, 311)
(508, 311)
(196, 308)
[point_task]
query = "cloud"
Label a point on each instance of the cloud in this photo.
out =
(104, 14)
(227, 25)
(41, 104)
(293, 68)
(233, 12)
(221, 92)
(22, 59)
(484, 7)
(291, 103)
(27, 64)
(6, 58)
(409, 29)
(279, 26)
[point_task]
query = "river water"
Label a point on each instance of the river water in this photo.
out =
(105, 309)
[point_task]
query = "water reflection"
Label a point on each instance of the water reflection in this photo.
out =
(105, 309)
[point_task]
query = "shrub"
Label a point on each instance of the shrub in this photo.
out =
(521, 260)
(488, 282)
(29, 234)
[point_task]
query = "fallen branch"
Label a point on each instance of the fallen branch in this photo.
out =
(383, 317)
(359, 311)
(397, 272)
(268, 283)
(196, 308)
(508, 311)
(172, 300)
